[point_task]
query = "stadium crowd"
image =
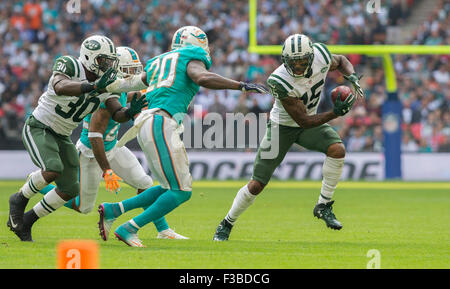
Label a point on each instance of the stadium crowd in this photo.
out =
(34, 33)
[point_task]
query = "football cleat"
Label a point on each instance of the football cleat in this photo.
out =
(106, 220)
(170, 234)
(129, 238)
(223, 231)
(325, 212)
(17, 205)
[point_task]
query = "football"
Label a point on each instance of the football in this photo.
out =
(344, 90)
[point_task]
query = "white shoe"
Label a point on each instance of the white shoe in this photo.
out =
(170, 234)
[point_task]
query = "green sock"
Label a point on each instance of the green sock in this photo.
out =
(163, 205)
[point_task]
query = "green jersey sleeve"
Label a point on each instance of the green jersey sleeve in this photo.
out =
(67, 65)
(278, 87)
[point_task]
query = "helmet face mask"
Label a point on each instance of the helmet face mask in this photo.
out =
(104, 62)
(129, 62)
(298, 66)
(131, 69)
(297, 55)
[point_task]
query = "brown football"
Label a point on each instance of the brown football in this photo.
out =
(344, 90)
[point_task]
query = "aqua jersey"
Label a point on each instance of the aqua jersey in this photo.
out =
(110, 135)
(170, 87)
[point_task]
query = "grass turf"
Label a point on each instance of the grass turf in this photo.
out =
(408, 223)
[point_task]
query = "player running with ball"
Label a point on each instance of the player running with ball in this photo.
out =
(296, 86)
(172, 79)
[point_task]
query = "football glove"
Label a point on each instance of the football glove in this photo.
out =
(106, 79)
(111, 181)
(136, 105)
(342, 107)
(354, 79)
(252, 87)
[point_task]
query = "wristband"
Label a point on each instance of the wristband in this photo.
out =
(94, 134)
(127, 112)
(87, 87)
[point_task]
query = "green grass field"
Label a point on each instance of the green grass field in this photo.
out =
(408, 223)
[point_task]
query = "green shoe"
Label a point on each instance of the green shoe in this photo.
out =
(325, 212)
(223, 231)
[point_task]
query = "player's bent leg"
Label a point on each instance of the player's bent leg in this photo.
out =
(43, 150)
(263, 169)
(166, 203)
(109, 212)
(325, 139)
(67, 187)
(331, 171)
(244, 199)
(90, 177)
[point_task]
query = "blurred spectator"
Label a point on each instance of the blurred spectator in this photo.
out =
(34, 33)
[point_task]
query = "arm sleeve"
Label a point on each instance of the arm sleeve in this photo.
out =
(67, 66)
(277, 88)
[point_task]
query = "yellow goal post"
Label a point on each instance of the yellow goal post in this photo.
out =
(383, 51)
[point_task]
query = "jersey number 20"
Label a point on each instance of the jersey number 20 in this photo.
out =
(159, 68)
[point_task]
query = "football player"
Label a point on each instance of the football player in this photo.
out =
(172, 79)
(296, 86)
(99, 155)
(75, 89)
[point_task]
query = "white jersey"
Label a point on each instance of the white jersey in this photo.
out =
(307, 88)
(63, 113)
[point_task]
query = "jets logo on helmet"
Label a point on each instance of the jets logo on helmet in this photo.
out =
(190, 35)
(98, 53)
(129, 62)
(297, 55)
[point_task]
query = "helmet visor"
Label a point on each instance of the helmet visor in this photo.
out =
(299, 64)
(104, 62)
(131, 69)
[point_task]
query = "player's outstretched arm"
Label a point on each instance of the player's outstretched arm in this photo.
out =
(341, 63)
(97, 128)
(197, 71)
(297, 110)
(123, 114)
(129, 83)
(99, 123)
(63, 85)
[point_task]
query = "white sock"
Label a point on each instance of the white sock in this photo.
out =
(34, 184)
(50, 203)
(241, 202)
(331, 171)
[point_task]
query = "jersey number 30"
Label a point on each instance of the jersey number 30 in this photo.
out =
(78, 108)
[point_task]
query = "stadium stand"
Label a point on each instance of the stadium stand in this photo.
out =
(34, 33)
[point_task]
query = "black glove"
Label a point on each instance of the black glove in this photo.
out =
(253, 87)
(136, 105)
(106, 79)
(342, 107)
